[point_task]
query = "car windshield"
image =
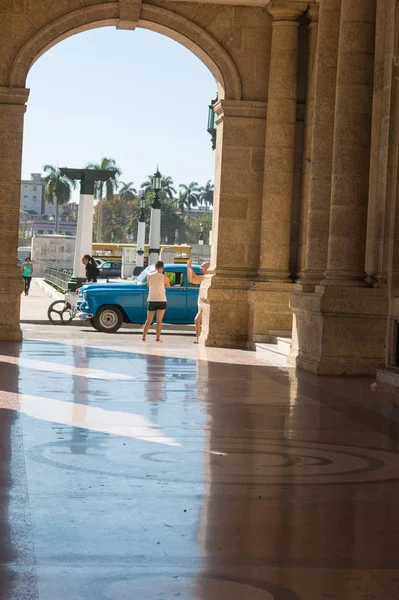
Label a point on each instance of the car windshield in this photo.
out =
(142, 278)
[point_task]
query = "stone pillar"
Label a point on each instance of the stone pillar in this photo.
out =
(280, 142)
(240, 147)
(377, 221)
(352, 137)
(269, 295)
(307, 154)
(318, 214)
(341, 326)
(12, 109)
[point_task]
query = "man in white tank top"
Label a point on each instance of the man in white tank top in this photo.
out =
(157, 282)
(197, 280)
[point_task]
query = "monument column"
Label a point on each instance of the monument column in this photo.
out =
(12, 109)
(340, 328)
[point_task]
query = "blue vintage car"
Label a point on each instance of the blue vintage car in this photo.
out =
(108, 305)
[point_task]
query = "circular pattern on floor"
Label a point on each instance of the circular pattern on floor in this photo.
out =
(184, 587)
(268, 462)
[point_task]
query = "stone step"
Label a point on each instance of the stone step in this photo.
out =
(280, 345)
(390, 376)
(283, 344)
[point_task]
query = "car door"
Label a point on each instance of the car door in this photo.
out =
(105, 270)
(116, 269)
(176, 296)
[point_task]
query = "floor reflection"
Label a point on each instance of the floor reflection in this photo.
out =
(127, 474)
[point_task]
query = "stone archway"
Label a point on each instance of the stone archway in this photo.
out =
(154, 18)
(234, 43)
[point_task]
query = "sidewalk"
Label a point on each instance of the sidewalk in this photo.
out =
(34, 308)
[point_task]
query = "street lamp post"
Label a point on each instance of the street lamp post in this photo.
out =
(201, 235)
(155, 221)
(141, 236)
(84, 233)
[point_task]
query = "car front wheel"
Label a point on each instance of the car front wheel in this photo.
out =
(108, 319)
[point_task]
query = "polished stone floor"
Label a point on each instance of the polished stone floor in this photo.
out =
(154, 472)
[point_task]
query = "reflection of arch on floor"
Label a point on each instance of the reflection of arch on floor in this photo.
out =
(182, 30)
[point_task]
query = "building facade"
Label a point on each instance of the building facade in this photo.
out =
(305, 225)
(32, 195)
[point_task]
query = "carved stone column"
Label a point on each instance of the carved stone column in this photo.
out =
(280, 141)
(12, 109)
(237, 208)
(318, 216)
(340, 327)
(352, 138)
(269, 295)
(307, 156)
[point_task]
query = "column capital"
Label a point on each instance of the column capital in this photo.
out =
(285, 10)
(313, 13)
(245, 109)
(13, 97)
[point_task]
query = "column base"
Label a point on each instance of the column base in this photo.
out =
(226, 312)
(269, 309)
(339, 330)
(11, 286)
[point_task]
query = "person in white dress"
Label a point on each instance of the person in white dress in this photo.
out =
(157, 282)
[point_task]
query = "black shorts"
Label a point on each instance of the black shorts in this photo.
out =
(154, 306)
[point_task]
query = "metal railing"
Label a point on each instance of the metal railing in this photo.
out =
(58, 278)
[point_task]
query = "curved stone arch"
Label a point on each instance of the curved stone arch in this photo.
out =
(156, 19)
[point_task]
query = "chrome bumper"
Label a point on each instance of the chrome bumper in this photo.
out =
(84, 315)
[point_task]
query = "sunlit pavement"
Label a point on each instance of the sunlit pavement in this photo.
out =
(158, 471)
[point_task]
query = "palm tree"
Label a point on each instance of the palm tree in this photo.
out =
(167, 186)
(58, 189)
(206, 194)
(106, 164)
(189, 195)
(127, 192)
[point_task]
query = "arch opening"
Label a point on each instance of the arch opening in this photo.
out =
(156, 19)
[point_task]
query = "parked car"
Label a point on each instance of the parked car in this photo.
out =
(107, 305)
(110, 270)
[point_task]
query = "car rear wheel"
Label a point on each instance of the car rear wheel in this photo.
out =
(108, 319)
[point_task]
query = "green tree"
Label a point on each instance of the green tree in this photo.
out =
(108, 186)
(115, 227)
(127, 192)
(194, 228)
(189, 196)
(206, 194)
(58, 189)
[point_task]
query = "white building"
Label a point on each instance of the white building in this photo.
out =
(32, 196)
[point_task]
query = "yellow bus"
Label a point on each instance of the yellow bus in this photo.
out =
(182, 252)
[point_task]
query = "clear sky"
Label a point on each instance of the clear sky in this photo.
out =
(135, 96)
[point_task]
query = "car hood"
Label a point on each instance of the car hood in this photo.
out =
(116, 286)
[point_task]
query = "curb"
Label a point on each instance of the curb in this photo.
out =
(48, 290)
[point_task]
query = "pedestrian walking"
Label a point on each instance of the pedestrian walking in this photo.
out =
(91, 268)
(157, 282)
(27, 272)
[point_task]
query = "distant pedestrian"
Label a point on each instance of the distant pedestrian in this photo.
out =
(91, 268)
(157, 282)
(27, 272)
(195, 279)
